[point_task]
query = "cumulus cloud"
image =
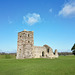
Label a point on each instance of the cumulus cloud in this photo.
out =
(68, 9)
(31, 19)
(50, 10)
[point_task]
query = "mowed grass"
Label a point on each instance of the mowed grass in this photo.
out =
(64, 65)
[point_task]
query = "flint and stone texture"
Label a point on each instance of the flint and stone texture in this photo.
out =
(26, 48)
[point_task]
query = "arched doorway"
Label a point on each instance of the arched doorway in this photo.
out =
(43, 53)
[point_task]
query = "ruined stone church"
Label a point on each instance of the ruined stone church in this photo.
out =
(26, 48)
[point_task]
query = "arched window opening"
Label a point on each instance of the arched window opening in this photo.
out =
(43, 54)
(48, 50)
(28, 35)
(28, 41)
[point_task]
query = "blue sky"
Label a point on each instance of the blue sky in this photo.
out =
(53, 23)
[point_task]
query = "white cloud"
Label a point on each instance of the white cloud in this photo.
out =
(50, 10)
(68, 9)
(31, 19)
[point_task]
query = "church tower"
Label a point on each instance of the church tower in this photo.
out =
(25, 44)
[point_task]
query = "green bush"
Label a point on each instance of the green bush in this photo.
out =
(7, 56)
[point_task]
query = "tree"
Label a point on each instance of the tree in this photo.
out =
(73, 49)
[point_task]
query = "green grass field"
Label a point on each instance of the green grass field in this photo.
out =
(64, 65)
